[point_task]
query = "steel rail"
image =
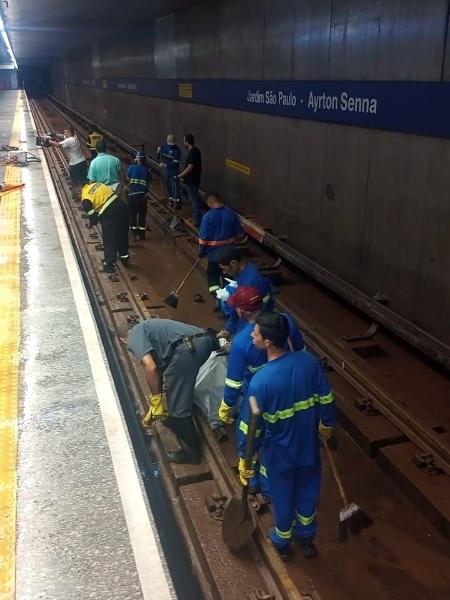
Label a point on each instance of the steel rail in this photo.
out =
(347, 367)
(417, 337)
(276, 576)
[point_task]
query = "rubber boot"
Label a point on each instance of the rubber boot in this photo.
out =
(190, 442)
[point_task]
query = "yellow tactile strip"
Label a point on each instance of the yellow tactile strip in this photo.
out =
(9, 372)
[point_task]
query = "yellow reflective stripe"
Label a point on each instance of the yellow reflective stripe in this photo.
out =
(266, 299)
(262, 470)
(305, 520)
(213, 288)
(284, 535)
(139, 181)
(328, 399)
(290, 412)
(255, 369)
(10, 339)
(236, 385)
(107, 203)
(244, 428)
(91, 212)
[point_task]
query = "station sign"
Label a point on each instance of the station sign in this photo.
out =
(412, 107)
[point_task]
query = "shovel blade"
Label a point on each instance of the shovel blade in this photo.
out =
(238, 523)
(171, 300)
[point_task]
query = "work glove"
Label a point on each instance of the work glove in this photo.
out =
(224, 334)
(325, 432)
(245, 474)
(156, 410)
(225, 413)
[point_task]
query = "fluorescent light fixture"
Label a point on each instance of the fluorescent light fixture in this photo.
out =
(7, 43)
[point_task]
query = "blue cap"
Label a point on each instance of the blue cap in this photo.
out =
(140, 154)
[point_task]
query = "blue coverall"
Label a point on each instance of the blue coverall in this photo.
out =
(244, 361)
(293, 395)
(218, 230)
(251, 275)
(170, 155)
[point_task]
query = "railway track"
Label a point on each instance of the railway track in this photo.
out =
(371, 409)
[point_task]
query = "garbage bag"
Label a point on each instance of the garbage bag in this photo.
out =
(209, 386)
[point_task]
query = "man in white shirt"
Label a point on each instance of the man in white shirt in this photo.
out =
(77, 161)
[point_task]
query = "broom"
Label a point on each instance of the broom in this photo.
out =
(172, 299)
(351, 517)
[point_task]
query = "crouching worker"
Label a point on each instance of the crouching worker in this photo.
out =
(297, 408)
(172, 352)
(103, 204)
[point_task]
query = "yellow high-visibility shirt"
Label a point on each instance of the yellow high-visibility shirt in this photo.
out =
(94, 137)
(96, 197)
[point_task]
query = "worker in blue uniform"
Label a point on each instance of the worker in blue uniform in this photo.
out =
(246, 359)
(169, 155)
(219, 229)
(138, 176)
(234, 265)
(297, 408)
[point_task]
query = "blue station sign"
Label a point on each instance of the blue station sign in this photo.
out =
(421, 108)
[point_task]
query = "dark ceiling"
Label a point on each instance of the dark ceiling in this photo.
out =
(41, 30)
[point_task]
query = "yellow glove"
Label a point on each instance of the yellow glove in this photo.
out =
(325, 432)
(155, 411)
(225, 413)
(245, 474)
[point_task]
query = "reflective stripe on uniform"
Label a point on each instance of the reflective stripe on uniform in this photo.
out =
(244, 428)
(290, 412)
(262, 470)
(266, 299)
(284, 535)
(138, 181)
(236, 385)
(255, 369)
(109, 201)
(213, 288)
(305, 520)
(216, 242)
(328, 399)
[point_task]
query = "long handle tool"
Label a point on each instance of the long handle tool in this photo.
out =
(238, 521)
(351, 517)
(172, 299)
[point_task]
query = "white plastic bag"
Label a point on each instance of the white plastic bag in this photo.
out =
(209, 386)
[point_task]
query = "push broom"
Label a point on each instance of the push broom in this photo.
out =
(351, 517)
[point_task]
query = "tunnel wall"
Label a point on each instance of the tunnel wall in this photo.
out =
(385, 228)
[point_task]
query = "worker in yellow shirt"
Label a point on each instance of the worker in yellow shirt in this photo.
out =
(103, 204)
(93, 138)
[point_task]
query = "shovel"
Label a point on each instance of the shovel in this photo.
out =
(172, 299)
(238, 521)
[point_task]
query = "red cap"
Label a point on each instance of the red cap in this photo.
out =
(246, 297)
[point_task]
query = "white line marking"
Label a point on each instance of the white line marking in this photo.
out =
(153, 579)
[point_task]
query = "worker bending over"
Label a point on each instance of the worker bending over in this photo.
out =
(103, 204)
(246, 359)
(138, 176)
(297, 407)
(234, 265)
(219, 229)
(174, 352)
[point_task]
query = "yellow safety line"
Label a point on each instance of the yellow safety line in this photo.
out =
(9, 369)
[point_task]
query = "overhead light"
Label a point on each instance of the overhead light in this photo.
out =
(7, 42)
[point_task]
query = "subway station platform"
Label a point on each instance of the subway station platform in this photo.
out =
(75, 522)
